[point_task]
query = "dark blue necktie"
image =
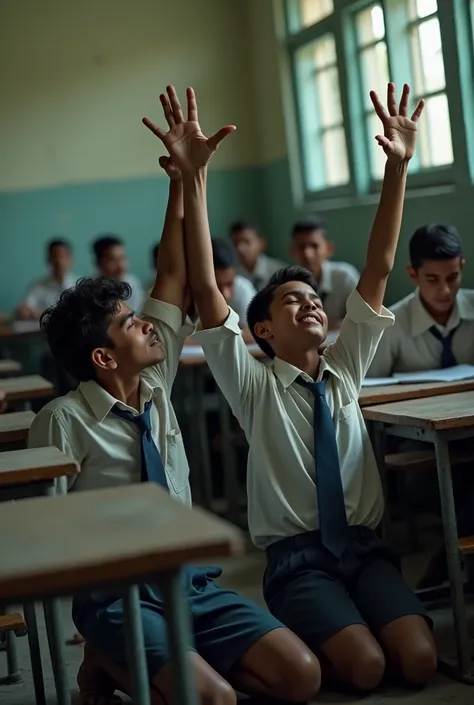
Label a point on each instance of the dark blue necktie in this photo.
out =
(331, 505)
(447, 355)
(152, 469)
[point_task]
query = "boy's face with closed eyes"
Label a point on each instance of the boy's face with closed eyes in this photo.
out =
(134, 344)
(297, 319)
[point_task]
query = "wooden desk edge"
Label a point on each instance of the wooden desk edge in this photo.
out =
(27, 475)
(129, 571)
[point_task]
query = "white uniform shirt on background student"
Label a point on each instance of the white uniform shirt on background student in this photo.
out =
(244, 292)
(338, 281)
(44, 293)
(107, 447)
(265, 267)
(276, 414)
(410, 347)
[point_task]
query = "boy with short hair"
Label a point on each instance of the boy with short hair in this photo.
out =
(121, 427)
(311, 248)
(112, 262)
(434, 325)
(236, 289)
(46, 292)
(314, 491)
(254, 263)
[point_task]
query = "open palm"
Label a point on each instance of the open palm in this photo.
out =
(399, 132)
(188, 147)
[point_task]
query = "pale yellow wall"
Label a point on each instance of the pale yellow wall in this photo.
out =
(77, 76)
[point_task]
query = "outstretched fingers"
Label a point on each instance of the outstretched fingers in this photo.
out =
(214, 141)
(192, 105)
(154, 128)
(418, 110)
(403, 106)
(175, 104)
(379, 109)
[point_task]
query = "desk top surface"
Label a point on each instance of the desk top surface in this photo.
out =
(9, 366)
(15, 426)
(402, 392)
(85, 539)
(33, 465)
(26, 387)
(436, 413)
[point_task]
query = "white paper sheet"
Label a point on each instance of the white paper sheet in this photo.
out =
(379, 381)
(449, 374)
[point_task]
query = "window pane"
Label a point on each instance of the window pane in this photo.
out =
(329, 99)
(422, 8)
(377, 155)
(324, 52)
(312, 11)
(375, 76)
(335, 157)
(435, 147)
(428, 57)
(370, 25)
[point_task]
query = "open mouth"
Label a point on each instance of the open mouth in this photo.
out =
(310, 319)
(154, 340)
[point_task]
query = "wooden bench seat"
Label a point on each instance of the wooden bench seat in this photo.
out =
(13, 623)
(420, 460)
(466, 545)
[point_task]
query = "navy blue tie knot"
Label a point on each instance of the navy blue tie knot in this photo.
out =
(152, 468)
(447, 355)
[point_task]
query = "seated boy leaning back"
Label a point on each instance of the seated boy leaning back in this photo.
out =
(120, 426)
(315, 498)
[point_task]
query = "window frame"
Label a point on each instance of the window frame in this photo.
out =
(398, 23)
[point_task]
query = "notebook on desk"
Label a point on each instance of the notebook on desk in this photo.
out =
(449, 374)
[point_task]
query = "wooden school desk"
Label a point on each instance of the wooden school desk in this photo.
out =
(436, 420)
(24, 389)
(113, 538)
(401, 392)
(30, 473)
(14, 426)
(9, 367)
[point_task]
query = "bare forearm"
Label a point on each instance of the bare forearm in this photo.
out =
(171, 256)
(383, 240)
(210, 303)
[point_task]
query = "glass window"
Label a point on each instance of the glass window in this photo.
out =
(304, 13)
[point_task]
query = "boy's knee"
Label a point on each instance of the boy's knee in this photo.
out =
(418, 663)
(367, 668)
(217, 692)
(299, 679)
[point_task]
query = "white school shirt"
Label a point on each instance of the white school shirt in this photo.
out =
(276, 414)
(338, 281)
(44, 293)
(107, 448)
(265, 267)
(244, 291)
(410, 347)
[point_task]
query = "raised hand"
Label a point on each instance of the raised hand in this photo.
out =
(189, 149)
(399, 132)
(170, 168)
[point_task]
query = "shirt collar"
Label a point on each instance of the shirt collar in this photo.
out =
(325, 283)
(421, 320)
(288, 373)
(101, 402)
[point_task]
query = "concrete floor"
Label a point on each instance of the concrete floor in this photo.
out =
(244, 574)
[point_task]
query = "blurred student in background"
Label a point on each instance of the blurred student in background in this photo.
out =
(111, 260)
(254, 264)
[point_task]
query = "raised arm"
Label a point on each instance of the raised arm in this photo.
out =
(171, 276)
(191, 152)
(398, 143)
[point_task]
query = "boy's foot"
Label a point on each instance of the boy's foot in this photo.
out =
(96, 685)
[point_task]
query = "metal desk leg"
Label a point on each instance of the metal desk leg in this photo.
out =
(14, 675)
(231, 483)
(35, 652)
(377, 432)
(54, 630)
(203, 438)
(178, 621)
(448, 509)
(136, 646)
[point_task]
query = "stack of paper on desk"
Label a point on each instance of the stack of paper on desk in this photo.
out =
(449, 374)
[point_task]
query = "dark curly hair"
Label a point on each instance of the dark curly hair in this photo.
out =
(434, 242)
(259, 307)
(79, 322)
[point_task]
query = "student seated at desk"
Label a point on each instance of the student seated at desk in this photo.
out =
(434, 328)
(154, 265)
(314, 492)
(434, 325)
(121, 427)
(45, 292)
(111, 261)
(251, 246)
(311, 249)
(237, 290)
